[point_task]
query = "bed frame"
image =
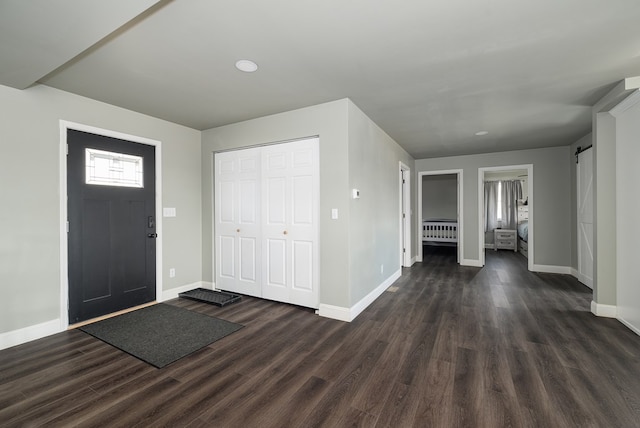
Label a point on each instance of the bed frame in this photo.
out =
(440, 231)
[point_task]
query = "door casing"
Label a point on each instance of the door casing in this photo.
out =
(64, 259)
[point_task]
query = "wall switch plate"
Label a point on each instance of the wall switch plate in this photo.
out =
(334, 214)
(172, 273)
(355, 193)
(168, 212)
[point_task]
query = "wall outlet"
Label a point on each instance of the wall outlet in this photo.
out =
(172, 273)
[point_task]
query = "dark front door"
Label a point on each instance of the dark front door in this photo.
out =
(112, 231)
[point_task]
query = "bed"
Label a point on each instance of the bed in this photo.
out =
(523, 230)
(440, 230)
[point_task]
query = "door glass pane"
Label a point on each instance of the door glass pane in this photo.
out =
(113, 169)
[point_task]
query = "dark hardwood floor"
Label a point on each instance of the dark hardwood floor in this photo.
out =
(451, 347)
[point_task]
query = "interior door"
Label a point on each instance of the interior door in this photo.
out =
(290, 208)
(585, 217)
(112, 234)
(237, 221)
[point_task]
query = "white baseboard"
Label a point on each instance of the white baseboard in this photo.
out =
(471, 262)
(413, 261)
(630, 326)
(583, 279)
(27, 334)
(334, 312)
(174, 292)
(605, 311)
(565, 270)
(349, 314)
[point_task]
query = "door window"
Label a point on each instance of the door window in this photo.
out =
(113, 169)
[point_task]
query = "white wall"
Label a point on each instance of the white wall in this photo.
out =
(627, 178)
(374, 219)
(550, 209)
(30, 195)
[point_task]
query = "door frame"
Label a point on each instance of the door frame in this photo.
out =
(481, 210)
(64, 244)
(405, 222)
(459, 174)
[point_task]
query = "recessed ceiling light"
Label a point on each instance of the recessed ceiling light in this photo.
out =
(246, 66)
(480, 133)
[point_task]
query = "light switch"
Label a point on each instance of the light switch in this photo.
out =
(334, 214)
(168, 212)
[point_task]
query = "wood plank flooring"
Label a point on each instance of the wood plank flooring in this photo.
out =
(451, 347)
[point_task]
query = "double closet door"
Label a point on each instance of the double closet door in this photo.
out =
(266, 222)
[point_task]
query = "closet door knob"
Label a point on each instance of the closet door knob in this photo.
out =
(285, 232)
(237, 230)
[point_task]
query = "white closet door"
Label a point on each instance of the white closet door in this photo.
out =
(585, 217)
(290, 199)
(237, 221)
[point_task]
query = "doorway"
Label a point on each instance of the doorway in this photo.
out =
(405, 216)
(523, 215)
(443, 204)
(109, 207)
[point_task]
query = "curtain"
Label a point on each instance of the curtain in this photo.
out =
(509, 192)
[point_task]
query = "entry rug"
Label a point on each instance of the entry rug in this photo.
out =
(161, 334)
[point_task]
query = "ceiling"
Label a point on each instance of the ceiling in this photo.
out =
(431, 73)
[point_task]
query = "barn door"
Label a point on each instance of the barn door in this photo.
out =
(585, 217)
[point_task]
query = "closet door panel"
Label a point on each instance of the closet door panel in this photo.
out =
(302, 262)
(290, 204)
(237, 221)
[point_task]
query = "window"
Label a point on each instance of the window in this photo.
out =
(113, 169)
(499, 208)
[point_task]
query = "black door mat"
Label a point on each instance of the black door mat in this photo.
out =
(215, 297)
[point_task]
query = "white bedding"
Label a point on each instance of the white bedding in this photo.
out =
(523, 230)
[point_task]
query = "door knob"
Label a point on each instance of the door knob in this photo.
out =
(152, 235)
(285, 232)
(237, 230)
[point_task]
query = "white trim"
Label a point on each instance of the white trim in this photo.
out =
(626, 104)
(64, 262)
(564, 270)
(582, 278)
(334, 312)
(405, 222)
(27, 334)
(173, 293)
(413, 261)
(481, 172)
(605, 311)
(471, 262)
(460, 175)
(630, 326)
(349, 314)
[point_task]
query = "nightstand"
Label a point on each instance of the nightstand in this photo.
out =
(505, 239)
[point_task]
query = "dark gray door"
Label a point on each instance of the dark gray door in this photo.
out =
(112, 231)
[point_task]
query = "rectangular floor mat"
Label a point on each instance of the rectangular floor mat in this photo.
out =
(215, 297)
